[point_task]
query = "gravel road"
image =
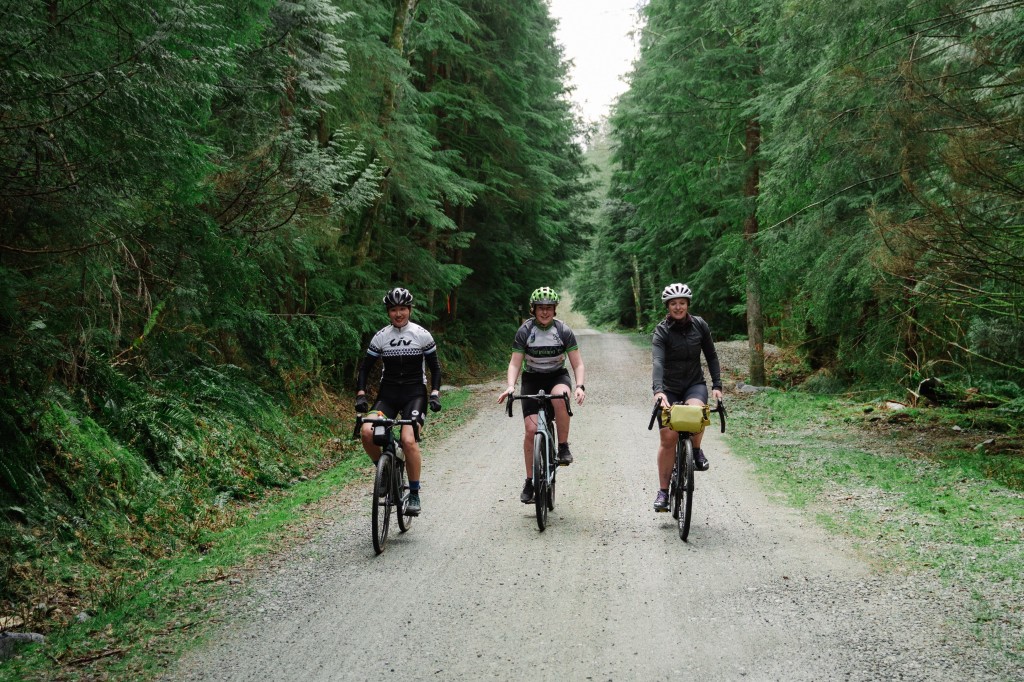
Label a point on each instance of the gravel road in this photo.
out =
(608, 592)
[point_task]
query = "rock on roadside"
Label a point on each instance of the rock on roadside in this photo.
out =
(10, 641)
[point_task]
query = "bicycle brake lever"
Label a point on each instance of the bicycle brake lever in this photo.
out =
(568, 408)
(508, 405)
(654, 414)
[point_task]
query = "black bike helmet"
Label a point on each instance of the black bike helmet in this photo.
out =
(396, 297)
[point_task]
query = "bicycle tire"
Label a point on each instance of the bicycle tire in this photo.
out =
(675, 489)
(551, 489)
(382, 502)
(540, 481)
(553, 468)
(686, 509)
(402, 497)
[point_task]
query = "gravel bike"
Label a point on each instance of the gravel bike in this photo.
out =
(545, 445)
(390, 487)
(687, 420)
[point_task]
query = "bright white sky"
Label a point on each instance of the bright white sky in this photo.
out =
(595, 35)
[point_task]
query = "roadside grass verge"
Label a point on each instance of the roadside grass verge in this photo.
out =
(140, 620)
(915, 493)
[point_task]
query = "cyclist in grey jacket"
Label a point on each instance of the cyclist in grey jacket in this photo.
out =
(677, 376)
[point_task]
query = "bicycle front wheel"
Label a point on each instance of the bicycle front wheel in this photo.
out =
(675, 487)
(686, 490)
(551, 486)
(540, 480)
(383, 499)
(553, 469)
(401, 496)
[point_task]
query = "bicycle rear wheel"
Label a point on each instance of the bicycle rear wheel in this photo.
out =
(540, 481)
(401, 497)
(686, 490)
(383, 499)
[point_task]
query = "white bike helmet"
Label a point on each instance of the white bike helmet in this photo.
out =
(675, 290)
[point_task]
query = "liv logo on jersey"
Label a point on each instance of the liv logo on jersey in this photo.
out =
(394, 343)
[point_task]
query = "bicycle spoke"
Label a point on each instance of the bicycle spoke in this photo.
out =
(686, 488)
(540, 480)
(382, 502)
(402, 487)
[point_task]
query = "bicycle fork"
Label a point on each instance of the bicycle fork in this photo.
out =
(400, 492)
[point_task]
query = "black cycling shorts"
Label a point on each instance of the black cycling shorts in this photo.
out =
(535, 382)
(409, 401)
(698, 391)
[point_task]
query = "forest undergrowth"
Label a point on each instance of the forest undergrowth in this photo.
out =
(930, 491)
(126, 612)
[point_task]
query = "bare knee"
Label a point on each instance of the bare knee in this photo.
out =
(408, 440)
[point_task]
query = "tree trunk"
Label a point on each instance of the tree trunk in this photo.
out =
(635, 280)
(755, 317)
(403, 15)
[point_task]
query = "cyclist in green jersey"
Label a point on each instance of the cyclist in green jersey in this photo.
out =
(540, 349)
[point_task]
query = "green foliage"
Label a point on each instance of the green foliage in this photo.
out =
(200, 208)
(887, 168)
(888, 189)
(142, 476)
(676, 201)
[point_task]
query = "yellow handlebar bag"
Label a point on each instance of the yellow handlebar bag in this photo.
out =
(686, 418)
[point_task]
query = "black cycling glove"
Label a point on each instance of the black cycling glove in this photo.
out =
(361, 404)
(435, 403)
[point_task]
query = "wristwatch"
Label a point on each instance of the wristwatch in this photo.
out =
(582, 388)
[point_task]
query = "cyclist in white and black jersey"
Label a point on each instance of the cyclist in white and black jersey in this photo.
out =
(540, 349)
(406, 350)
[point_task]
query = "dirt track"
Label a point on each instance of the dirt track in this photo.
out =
(607, 592)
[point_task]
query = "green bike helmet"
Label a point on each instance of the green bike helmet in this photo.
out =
(543, 296)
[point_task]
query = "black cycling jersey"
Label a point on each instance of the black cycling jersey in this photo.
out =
(677, 346)
(405, 352)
